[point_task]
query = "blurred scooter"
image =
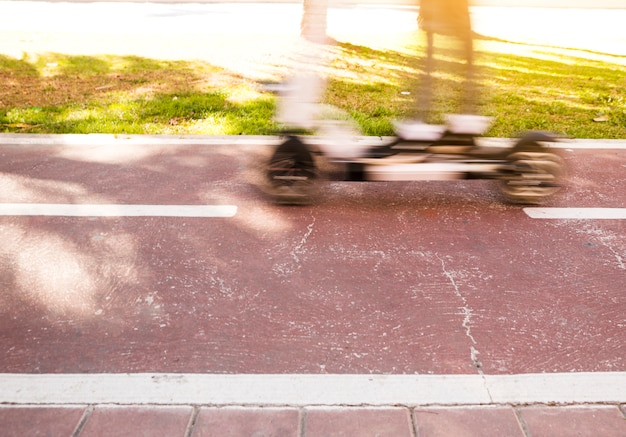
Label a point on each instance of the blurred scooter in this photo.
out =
(529, 170)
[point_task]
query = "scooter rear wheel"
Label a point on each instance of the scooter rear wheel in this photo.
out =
(535, 176)
(291, 172)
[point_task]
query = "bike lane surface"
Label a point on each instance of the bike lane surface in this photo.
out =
(246, 321)
(401, 278)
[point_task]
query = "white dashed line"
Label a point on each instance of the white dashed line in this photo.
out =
(115, 210)
(577, 213)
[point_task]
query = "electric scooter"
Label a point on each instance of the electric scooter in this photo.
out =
(529, 171)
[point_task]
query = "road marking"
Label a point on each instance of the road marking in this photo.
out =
(109, 140)
(115, 210)
(304, 389)
(577, 213)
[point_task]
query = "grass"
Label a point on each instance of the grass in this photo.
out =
(524, 87)
(109, 94)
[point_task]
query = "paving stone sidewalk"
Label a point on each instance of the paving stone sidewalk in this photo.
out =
(394, 421)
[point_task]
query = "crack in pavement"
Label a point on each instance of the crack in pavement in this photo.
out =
(297, 250)
(292, 262)
(467, 313)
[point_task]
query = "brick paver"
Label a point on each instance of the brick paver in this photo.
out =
(236, 422)
(39, 421)
(467, 422)
(137, 421)
(362, 422)
(605, 421)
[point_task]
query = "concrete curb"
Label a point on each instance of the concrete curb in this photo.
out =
(47, 140)
(309, 389)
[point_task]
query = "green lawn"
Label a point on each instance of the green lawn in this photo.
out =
(573, 92)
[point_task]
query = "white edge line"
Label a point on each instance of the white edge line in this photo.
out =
(302, 390)
(598, 387)
(261, 140)
(115, 210)
(576, 213)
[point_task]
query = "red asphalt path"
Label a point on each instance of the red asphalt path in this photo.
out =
(434, 277)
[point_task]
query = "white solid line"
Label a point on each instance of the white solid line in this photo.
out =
(115, 210)
(302, 390)
(82, 140)
(577, 213)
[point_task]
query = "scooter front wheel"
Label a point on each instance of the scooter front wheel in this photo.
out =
(534, 176)
(291, 172)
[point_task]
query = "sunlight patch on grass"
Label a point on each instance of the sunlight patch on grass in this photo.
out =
(243, 93)
(80, 114)
(547, 53)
